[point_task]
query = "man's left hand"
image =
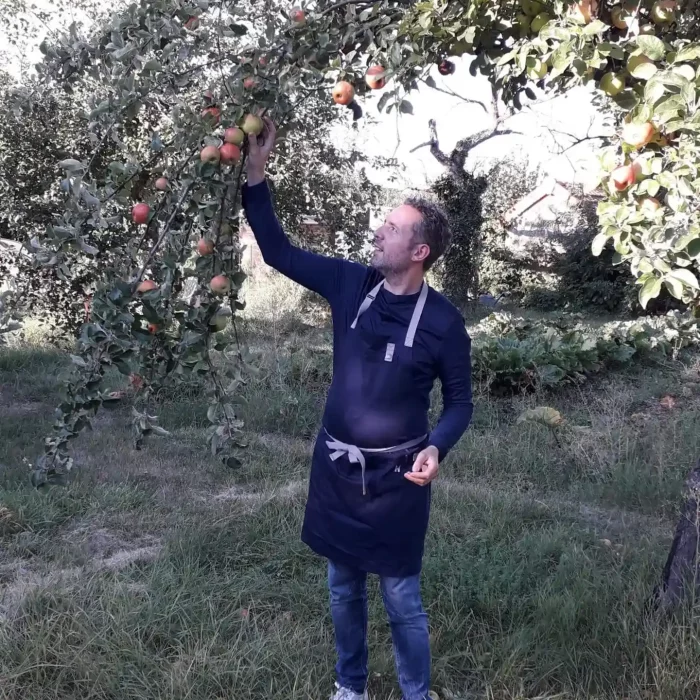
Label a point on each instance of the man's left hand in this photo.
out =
(425, 466)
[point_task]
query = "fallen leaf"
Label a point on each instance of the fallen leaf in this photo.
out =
(668, 402)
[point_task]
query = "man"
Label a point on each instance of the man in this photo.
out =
(374, 459)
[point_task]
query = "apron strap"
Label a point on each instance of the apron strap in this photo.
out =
(415, 319)
(417, 313)
(367, 303)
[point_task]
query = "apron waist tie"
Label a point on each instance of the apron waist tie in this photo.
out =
(355, 454)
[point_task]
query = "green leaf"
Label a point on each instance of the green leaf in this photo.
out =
(684, 276)
(71, 164)
(406, 107)
(153, 66)
(650, 290)
(644, 71)
(674, 287)
(599, 243)
(77, 360)
(652, 47)
(688, 53)
(693, 248)
(595, 27)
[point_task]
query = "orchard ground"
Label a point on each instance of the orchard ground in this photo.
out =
(162, 574)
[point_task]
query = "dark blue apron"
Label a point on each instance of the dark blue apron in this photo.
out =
(361, 511)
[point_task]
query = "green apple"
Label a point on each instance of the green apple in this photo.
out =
(539, 21)
(531, 7)
(664, 11)
(612, 84)
(219, 320)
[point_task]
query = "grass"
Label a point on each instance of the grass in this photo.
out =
(161, 574)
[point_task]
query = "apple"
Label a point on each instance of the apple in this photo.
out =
(623, 177)
(249, 83)
(612, 84)
(538, 71)
(621, 17)
(647, 29)
(153, 328)
(192, 24)
(636, 61)
(343, 93)
(375, 77)
(446, 68)
(531, 7)
(220, 284)
(212, 114)
(220, 319)
(162, 184)
(664, 11)
(234, 136)
(649, 206)
(210, 154)
(229, 153)
(583, 11)
(638, 135)
(298, 15)
(262, 61)
(146, 286)
(252, 125)
(140, 213)
(205, 247)
(539, 21)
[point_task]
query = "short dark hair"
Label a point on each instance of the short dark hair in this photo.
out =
(433, 228)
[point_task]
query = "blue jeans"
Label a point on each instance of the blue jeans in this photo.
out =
(409, 630)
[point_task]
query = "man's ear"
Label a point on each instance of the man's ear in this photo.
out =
(420, 252)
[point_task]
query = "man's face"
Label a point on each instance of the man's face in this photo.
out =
(395, 247)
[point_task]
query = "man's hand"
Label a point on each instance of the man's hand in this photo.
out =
(425, 466)
(259, 149)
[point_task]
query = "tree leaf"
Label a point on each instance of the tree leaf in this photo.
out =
(652, 47)
(688, 53)
(684, 276)
(406, 107)
(599, 243)
(650, 290)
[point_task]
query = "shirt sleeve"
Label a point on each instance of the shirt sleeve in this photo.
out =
(455, 374)
(324, 275)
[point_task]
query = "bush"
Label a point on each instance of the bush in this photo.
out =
(511, 355)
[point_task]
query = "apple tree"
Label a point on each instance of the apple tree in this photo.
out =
(177, 85)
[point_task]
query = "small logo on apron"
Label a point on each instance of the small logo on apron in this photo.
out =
(389, 356)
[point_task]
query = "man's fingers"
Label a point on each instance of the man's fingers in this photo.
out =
(253, 144)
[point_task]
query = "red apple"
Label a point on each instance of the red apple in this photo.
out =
(638, 135)
(623, 177)
(153, 328)
(146, 286)
(220, 284)
(205, 247)
(229, 153)
(162, 184)
(210, 154)
(343, 93)
(298, 15)
(212, 114)
(375, 77)
(140, 213)
(249, 83)
(192, 23)
(650, 205)
(234, 136)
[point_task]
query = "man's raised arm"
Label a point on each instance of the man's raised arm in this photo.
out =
(324, 275)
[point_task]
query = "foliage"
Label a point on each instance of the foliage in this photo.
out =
(458, 269)
(147, 68)
(649, 68)
(515, 355)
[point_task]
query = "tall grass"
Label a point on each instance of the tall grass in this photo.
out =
(161, 574)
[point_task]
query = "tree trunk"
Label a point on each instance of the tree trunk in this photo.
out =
(680, 575)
